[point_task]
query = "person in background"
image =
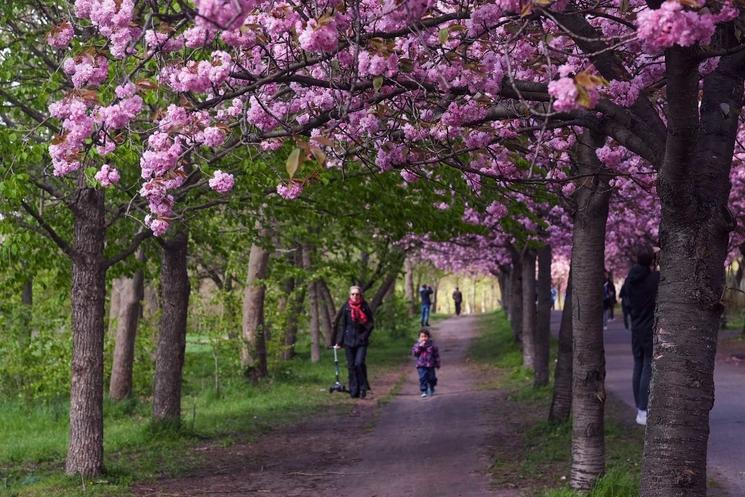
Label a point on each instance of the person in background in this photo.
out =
(641, 291)
(425, 294)
(353, 333)
(554, 295)
(427, 360)
(609, 299)
(458, 300)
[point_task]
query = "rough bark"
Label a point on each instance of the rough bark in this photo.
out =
(85, 446)
(503, 280)
(330, 307)
(561, 401)
(130, 308)
(385, 287)
(313, 307)
(253, 351)
(543, 317)
(434, 296)
(529, 308)
(27, 297)
(169, 356)
(516, 297)
(588, 254)
(409, 290)
(693, 185)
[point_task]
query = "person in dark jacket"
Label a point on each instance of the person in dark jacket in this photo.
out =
(458, 300)
(427, 360)
(425, 294)
(353, 333)
(640, 288)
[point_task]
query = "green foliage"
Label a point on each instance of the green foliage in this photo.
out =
(36, 349)
(544, 454)
(35, 435)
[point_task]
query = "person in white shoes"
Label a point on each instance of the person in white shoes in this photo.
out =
(641, 288)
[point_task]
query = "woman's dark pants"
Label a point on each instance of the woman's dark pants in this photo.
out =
(357, 370)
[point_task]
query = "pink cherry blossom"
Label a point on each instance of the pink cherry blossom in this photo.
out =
(107, 176)
(221, 182)
(61, 35)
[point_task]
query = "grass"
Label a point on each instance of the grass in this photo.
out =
(35, 436)
(538, 458)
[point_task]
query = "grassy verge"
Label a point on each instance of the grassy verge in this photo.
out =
(35, 436)
(537, 457)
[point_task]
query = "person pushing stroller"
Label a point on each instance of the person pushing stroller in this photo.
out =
(427, 360)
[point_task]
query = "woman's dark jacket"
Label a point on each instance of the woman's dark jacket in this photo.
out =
(351, 334)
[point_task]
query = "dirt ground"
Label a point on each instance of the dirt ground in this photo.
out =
(410, 446)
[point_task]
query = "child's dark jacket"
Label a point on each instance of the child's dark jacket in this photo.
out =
(427, 355)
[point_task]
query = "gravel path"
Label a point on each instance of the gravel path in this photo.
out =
(431, 447)
(409, 447)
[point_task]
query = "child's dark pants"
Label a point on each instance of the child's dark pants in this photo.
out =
(427, 379)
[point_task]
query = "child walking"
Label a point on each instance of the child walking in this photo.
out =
(427, 359)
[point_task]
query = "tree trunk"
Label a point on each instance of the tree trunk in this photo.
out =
(588, 263)
(385, 286)
(313, 304)
(130, 308)
(85, 446)
(503, 279)
(253, 351)
(27, 297)
(434, 296)
(328, 301)
(409, 289)
(529, 308)
(543, 316)
(516, 297)
(561, 401)
(169, 357)
(693, 185)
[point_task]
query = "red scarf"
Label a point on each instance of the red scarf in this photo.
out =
(358, 315)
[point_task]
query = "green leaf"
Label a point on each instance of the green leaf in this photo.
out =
(378, 83)
(444, 33)
(293, 162)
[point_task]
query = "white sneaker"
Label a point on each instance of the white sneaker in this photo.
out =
(424, 394)
(641, 417)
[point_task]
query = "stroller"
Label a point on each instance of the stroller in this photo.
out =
(337, 386)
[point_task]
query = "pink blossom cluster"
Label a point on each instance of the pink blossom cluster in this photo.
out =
(671, 24)
(86, 69)
(290, 191)
(565, 93)
(77, 126)
(319, 36)
(61, 35)
(223, 14)
(120, 114)
(489, 15)
(199, 76)
(107, 176)
(221, 182)
(113, 19)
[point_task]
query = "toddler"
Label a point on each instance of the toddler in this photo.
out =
(427, 359)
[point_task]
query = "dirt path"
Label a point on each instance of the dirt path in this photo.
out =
(409, 447)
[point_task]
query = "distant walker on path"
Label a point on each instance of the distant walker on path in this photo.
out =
(353, 333)
(640, 288)
(458, 299)
(425, 294)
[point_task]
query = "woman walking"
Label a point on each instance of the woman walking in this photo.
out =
(353, 333)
